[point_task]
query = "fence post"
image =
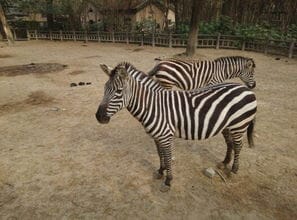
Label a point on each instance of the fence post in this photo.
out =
(86, 36)
(74, 35)
(153, 39)
(14, 34)
(243, 45)
(36, 37)
(170, 39)
(61, 35)
(266, 46)
(218, 41)
(98, 36)
(127, 37)
(51, 35)
(28, 34)
(113, 40)
(142, 38)
(291, 48)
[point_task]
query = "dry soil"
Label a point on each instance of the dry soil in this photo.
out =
(57, 162)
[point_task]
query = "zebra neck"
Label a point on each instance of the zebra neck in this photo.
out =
(228, 70)
(143, 97)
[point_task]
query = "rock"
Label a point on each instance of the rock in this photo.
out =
(277, 58)
(209, 172)
(81, 83)
(88, 83)
(55, 109)
(73, 84)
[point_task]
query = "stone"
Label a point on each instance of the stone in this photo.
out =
(209, 172)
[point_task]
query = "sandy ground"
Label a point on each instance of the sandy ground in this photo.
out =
(57, 162)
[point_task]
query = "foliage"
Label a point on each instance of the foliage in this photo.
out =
(147, 25)
(99, 26)
(227, 26)
(20, 24)
(5, 4)
(292, 31)
(183, 27)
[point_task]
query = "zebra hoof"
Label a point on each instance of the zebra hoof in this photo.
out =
(229, 174)
(234, 170)
(164, 188)
(157, 175)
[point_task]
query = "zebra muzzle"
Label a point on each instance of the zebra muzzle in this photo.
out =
(252, 85)
(101, 114)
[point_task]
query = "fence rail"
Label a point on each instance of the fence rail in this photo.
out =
(277, 47)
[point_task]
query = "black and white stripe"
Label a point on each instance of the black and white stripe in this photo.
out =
(227, 108)
(189, 75)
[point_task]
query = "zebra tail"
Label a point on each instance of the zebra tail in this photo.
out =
(250, 131)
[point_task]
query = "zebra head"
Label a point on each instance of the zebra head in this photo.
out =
(248, 73)
(115, 90)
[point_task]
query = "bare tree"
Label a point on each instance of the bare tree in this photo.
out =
(192, 39)
(50, 15)
(6, 27)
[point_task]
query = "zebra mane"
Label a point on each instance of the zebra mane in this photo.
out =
(178, 59)
(235, 58)
(129, 66)
(137, 74)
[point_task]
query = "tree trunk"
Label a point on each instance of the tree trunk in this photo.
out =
(192, 39)
(166, 22)
(218, 9)
(6, 27)
(49, 15)
(177, 14)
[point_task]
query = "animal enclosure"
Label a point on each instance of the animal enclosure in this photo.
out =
(267, 46)
(57, 162)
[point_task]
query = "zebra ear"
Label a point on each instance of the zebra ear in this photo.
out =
(250, 64)
(106, 69)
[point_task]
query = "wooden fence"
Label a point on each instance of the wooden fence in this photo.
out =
(277, 47)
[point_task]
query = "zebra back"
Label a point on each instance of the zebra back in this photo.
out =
(190, 74)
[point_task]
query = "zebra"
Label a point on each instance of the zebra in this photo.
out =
(189, 75)
(227, 108)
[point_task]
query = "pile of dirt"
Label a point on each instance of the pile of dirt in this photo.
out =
(76, 72)
(31, 68)
(34, 98)
(5, 56)
(38, 97)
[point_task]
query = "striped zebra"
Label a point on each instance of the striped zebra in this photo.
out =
(199, 114)
(189, 75)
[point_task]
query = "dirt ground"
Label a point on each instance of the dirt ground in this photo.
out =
(58, 162)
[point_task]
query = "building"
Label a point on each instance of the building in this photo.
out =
(127, 16)
(90, 14)
(15, 13)
(155, 11)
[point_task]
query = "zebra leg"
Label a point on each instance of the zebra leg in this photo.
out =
(166, 152)
(159, 173)
(237, 148)
(229, 142)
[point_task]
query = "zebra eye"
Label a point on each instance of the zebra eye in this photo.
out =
(118, 91)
